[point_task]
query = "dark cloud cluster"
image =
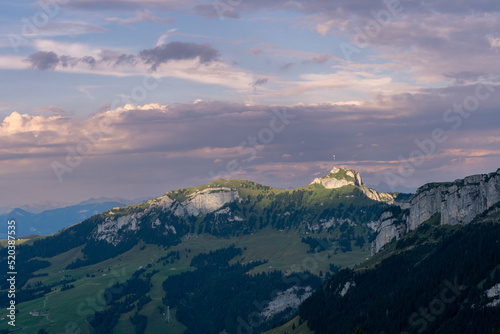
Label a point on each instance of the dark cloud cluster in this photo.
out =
(179, 51)
(48, 60)
(260, 82)
(115, 59)
(164, 53)
(43, 60)
(217, 9)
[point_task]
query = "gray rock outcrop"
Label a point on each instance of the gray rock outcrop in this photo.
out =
(457, 202)
(198, 203)
(341, 177)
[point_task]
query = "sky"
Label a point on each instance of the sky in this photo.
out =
(135, 98)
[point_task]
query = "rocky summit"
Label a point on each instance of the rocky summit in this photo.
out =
(341, 177)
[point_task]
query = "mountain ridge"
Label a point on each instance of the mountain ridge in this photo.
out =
(210, 198)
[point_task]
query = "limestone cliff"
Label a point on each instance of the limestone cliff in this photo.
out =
(201, 202)
(198, 203)
(341, 177)
(457, 202)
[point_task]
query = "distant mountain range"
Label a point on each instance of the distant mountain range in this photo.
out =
(35, 207)
(30, 221)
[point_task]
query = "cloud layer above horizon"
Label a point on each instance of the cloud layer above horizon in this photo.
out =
(134, 98)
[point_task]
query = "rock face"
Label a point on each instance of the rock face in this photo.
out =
(493, 293)
(286, 299)
(209, 200)
(198, 203)
(108, 230)
(341, 177)
(458, 202)
(388, 227)
(376, 196)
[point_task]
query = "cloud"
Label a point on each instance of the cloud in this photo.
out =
(130, 5)
(117, 58)
(217, 9)
(433, 39)
(292, 56)
(86, 90)
(153, 148)
(6, 106)
(175, 32)
(51, 110)
(179, 51)
(18, 124)
(145, 15)
(186, 138)
(66, 61)
(230, 10)
(163, 38)
(255, 51)
(43, 61)
(338, 85)
(89, 60)
(346, 8)
(188, 61)
(76, 50)
(323, 28)
(260, 82)
(287, 66)
(328, 9)
(494, 41)
(441, 44)
(68, 28)
(318, 59)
